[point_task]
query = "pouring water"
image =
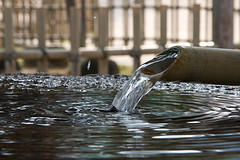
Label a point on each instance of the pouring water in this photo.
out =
(142, 81)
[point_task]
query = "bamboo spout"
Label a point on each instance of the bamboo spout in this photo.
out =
(195, 64)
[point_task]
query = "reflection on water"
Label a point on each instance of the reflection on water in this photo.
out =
(56, 117)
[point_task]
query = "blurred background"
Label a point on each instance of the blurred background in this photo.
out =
(79, 37)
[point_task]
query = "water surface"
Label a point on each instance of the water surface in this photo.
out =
(57, 117)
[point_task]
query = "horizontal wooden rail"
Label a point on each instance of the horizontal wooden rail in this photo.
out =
(57, 53)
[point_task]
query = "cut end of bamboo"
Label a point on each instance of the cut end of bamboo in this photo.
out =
(195, 64)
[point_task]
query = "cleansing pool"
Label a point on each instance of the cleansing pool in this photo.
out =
(59, 117)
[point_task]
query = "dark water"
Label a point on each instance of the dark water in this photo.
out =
(57, 117)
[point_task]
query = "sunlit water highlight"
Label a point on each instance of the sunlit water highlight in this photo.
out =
(59, 117)
(142, 81)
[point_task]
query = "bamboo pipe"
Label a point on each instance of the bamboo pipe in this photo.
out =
(195, 64)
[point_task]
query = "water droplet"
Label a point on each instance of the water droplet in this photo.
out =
(88, 65)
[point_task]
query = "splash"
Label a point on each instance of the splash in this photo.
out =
(143, 80)
(127, 99)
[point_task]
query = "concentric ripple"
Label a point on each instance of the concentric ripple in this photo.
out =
(60, 117)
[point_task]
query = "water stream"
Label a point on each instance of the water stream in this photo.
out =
(142, 81)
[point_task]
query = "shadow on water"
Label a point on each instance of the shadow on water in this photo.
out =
(58, 117)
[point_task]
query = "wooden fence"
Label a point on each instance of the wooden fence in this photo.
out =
(42, 54)
(167, 23)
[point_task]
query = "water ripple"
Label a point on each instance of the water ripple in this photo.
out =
(58, 117)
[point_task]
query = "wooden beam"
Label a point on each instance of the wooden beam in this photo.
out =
(136, 36)
(41, 23)
(9, 62)
(103, 39)
(163, 31)
(223, 23)
(75, 39)
(196, 24)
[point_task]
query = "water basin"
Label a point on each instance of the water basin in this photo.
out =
(60, 117)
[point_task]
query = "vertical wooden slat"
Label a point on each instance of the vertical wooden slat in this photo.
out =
(90, 15)
(163, 39)
(103, 39)
(142, 20)
(111, 19)
(31, 28)
(157, 21)
(196, 24)
(24, 25)
(75, 39)
(125, 21)
(83, 24)
(95, 21)
(41, 20)
(10, 63)
(136, 36)
(223, 18)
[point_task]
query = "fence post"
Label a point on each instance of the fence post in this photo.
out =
(163, 12)
(10, 62)
(196, 24)
(136, 36)
(41, 23)
(83, 24)
(111, 19)
(223, 22)
(126, 6)
(157, 21)
(75, 39)
(103, 39)
(95, 20)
